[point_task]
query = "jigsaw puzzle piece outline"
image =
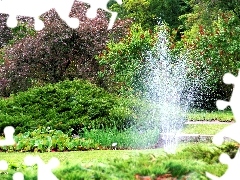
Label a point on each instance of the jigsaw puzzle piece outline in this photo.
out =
(233, 167)
(9, 140)
(95, 5)
(230, 131)
(35, 8)
(44, 170)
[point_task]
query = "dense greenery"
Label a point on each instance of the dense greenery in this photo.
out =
(48, 140)
(207, 31)
(212, 43)
(45, 139)
(66, 105)
(149, 12)
(69, 89)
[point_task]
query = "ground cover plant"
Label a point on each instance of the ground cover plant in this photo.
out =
(47, 140)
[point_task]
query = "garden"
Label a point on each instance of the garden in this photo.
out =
(137, 101)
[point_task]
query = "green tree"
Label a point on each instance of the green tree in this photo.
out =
(148, 13)
(214, 51)
(122, 62)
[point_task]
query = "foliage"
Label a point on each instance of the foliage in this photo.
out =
(69, 104)
(131, 138)
(57, 52)
(5, 32)
(208, 153)
(11, 35)
(122, 62)
(212, 53)
(47, 140)
(148, 13)
(21, 31)
(206, 11)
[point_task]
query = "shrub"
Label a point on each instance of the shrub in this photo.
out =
(69, 104)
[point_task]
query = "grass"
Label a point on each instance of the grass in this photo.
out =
(130, 138)
(208, 129)
(224, 116)
(191, 160)
(80, 156)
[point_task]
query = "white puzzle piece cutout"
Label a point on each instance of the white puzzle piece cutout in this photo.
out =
(232, 131)
(9, 140)
(3, 165)
(100, 4)
(44, 170)
(35, 8)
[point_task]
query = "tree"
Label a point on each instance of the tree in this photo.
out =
(148, 13)
(5, 32)
(122, 63)
(58, 52)
(212, 40)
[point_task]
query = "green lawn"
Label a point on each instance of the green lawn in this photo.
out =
(80, 156)
(210, 116)
(191, 160)
(208, 129)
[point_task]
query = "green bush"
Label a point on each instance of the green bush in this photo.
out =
(66, 105)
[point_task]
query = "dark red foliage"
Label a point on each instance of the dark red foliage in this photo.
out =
(58, 52)
(5, 32)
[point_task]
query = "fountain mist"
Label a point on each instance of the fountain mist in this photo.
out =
(165, 78)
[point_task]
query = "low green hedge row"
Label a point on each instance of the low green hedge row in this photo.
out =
(66, 105)
(48, 140)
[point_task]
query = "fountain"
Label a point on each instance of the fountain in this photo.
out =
(166, 85)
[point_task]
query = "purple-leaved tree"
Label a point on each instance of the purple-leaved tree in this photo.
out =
(58, 52)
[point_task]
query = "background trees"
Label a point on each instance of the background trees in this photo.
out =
(148, 13)
(212, 40)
